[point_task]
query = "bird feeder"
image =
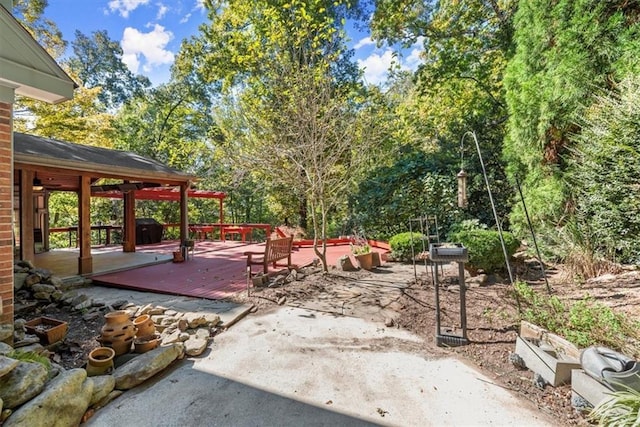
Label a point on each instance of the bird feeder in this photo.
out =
(462, 189)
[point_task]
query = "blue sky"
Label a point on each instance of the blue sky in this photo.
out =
(150, 33)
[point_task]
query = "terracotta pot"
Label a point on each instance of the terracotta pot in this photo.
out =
(144, 326)
(119, 316)
(118, 332)
(100, 361)
(178, 257)
(365, 260)
(146, 343)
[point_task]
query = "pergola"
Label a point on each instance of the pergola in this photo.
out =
(42, 165)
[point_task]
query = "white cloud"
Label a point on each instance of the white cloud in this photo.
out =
(414, 59)
(151, 46)
(376, 66)
(125, 6)
(364, 42)
(185, 18)
(162, 10)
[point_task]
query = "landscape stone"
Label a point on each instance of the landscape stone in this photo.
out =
(5, 348)
(344, 263)
(65, 400)
(113, 395)
(31, 280)
(6, 331)
(183, 325)
(43, 288)
(7, 364)
(195, 319)
(203, 333)
(18, 280)
(174, 337)
(143, 367)
(195, 346)
(157, 310)
(23, 383)
(102, 386)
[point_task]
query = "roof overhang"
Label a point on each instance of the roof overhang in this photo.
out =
(162, 194)
(26, 68)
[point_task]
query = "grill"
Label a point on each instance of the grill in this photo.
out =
(148, 230)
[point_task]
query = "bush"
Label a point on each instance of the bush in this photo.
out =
(405, 246)
(485, 249)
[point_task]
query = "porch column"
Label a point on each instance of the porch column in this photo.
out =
(129, 241)
(85, 262)
(184, 213)
(27, 212)
(6, 215)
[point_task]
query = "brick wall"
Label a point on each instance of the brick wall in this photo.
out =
(6, 211)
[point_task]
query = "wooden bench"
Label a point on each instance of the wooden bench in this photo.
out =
(274, 250)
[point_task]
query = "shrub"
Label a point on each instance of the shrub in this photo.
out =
(405, 246)
(485, 249)
(621, 409)
(31, 357)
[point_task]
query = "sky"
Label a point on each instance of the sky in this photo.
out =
(151, 31)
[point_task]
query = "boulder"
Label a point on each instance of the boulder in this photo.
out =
(6, 331)
(7, 365)
(345, 264)
(5, 348)
(195, 346)
(18, 280)
(143, 367)
(102, 386)
(31, 280)
(63, 402)
(23, 383)
(195, 319)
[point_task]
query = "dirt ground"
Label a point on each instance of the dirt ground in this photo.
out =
(391, 295)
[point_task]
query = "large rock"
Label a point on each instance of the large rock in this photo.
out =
(7, 365)
(195, 346)
(344, 263)
(143, 367)
(63, 402)
(194, 319)
(102, 386)
(6, 331)
(21, 384)
(18, 280)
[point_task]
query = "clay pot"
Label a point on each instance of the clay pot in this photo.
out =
(146, 343)
(365, 260)
(144, 326)
(100, 361)
(118, 332)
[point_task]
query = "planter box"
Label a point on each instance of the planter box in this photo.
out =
(588, 388)
(547, 354)
(47, 329)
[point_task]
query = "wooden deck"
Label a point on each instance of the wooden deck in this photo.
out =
(217, 270)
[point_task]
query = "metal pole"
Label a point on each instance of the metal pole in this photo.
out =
(493, 206)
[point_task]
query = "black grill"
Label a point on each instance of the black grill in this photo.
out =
(148, 230)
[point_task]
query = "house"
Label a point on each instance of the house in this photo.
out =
(26, 69)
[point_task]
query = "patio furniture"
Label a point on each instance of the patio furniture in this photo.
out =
(235, 229)
(274, 251)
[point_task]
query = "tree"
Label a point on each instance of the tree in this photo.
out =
(565, 52)
(44, 31)
(291, 96)
(97, 62)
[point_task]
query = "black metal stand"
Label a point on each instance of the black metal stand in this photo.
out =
(441, 255)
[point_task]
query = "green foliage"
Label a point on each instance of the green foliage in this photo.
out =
(584, 323)
(406, 246)
(565, 52)
(485, 248)
(31, 357)
(621, 409)
(604, 170)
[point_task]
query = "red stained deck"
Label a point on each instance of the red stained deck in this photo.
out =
(217, 270)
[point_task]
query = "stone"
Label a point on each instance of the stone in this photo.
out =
(31, 280)
(24, 382)
(157, 310)
(6, 331)
(174, 337)
(389, 322)
(144, 310)
(7, 364)
(143, 367)
(212, 319)
(56, 281)
(18, 280)
(65, 400)
(195, 346)
(203, 333)
(111, 396)
(5, 348)
(25, 341)
(170, 312)
(476, 281)
(43, 288)
(183, 325)
(194, 319)
(102, 386)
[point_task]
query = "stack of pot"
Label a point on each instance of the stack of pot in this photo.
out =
(118, 332)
